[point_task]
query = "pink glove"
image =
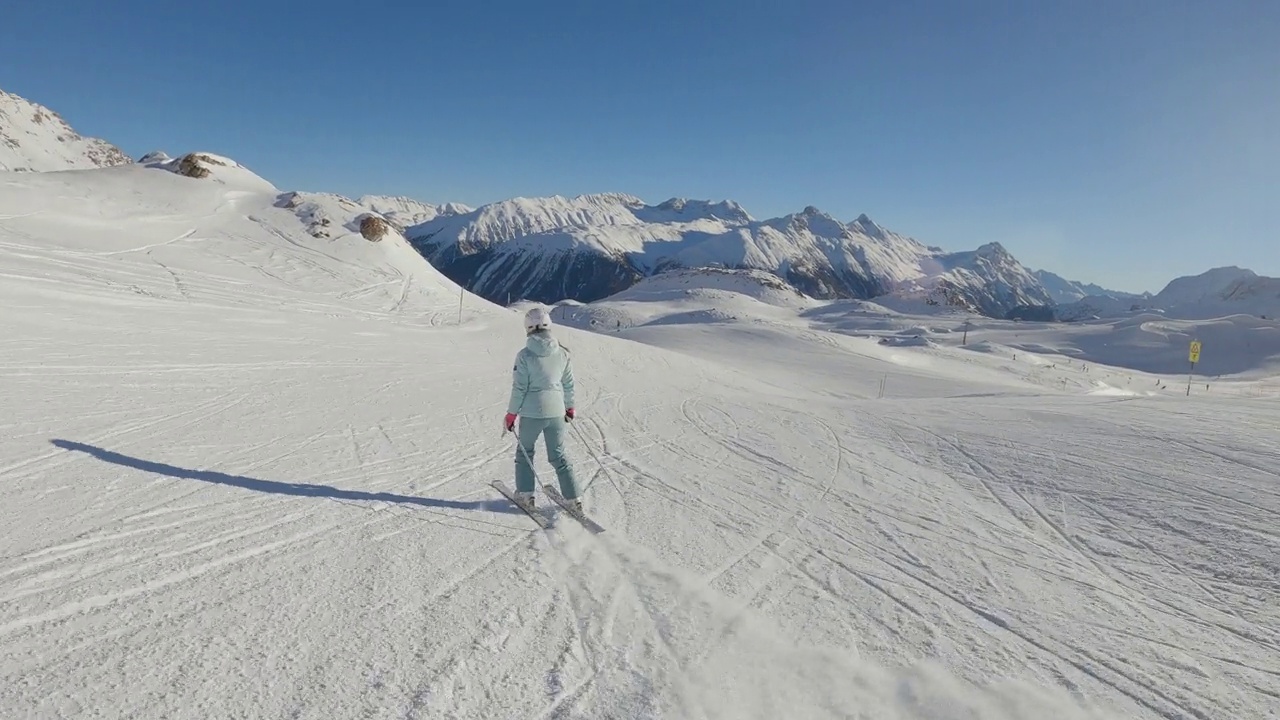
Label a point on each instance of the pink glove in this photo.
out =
(568, 414)
(509, 422)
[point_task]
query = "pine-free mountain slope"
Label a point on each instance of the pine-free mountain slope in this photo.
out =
(34, 138)
(1064, 292)
(1217, 293)
(592, 246)
(247, 474)
(405, 212)
(221, 237)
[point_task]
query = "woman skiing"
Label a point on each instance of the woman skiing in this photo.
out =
(542, 398)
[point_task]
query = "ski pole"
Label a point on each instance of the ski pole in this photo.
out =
(525, 453)
(605, 470)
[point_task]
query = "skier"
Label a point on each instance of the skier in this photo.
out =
(542, 397)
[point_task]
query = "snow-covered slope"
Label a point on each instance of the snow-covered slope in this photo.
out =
(212, 168)
(589, 247)
(225, 237)
(1219, 292)
(1244, 347)
(1064, 292)
(246, 475)
(404, 212)
(1205, 287)
(245, 466)
(688, 296)
(33, 138)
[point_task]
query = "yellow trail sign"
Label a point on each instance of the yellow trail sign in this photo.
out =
(1195, 351)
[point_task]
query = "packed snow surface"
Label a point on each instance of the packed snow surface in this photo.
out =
(244, 472)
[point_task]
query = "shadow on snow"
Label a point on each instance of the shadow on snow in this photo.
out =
(279, 488)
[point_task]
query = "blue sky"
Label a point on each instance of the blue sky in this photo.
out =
(1123, 142)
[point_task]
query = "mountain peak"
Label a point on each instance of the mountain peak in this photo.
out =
(1196, 288)
(814, 221)
(866, 226)
(34, 138)
(686, 210)
(405, 211)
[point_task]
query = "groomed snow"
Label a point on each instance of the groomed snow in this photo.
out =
(244, 473)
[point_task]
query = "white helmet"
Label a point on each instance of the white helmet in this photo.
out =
(536, 319)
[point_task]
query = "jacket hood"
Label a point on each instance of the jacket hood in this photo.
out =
(541, 344)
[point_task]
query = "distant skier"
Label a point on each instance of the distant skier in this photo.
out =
(542, 397)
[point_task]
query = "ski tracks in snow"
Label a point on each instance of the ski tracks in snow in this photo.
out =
(1143, 581)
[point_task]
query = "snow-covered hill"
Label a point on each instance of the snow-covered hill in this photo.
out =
(702, 295)
(1065, 292)
(1219, 292)
(33, 138)
(227, 238)
(592, 246)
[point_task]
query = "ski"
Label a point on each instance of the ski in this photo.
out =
(543, 521)
(553, 493)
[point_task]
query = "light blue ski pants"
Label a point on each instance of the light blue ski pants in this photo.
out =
(553, 431)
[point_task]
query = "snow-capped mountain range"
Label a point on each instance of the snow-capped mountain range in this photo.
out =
(34, 138)
(404, 212)
(1064, 291)
(591, 246)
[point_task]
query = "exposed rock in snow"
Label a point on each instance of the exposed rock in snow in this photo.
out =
(215, 168)
(373, 228)
(34, 138)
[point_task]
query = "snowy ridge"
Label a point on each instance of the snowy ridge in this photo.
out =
(1064, 292)
(1205, 287)
(404, 212)
(1219, 292)
(592, 246)
(211, 167)
(34, 138)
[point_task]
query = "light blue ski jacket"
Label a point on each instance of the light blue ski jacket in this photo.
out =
(542, 379)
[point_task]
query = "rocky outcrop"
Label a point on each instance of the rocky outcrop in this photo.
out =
(373, 228)
(196, 165)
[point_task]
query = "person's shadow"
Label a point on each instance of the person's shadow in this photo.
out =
(279, 488)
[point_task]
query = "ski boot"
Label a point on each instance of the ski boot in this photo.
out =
(526, 498)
